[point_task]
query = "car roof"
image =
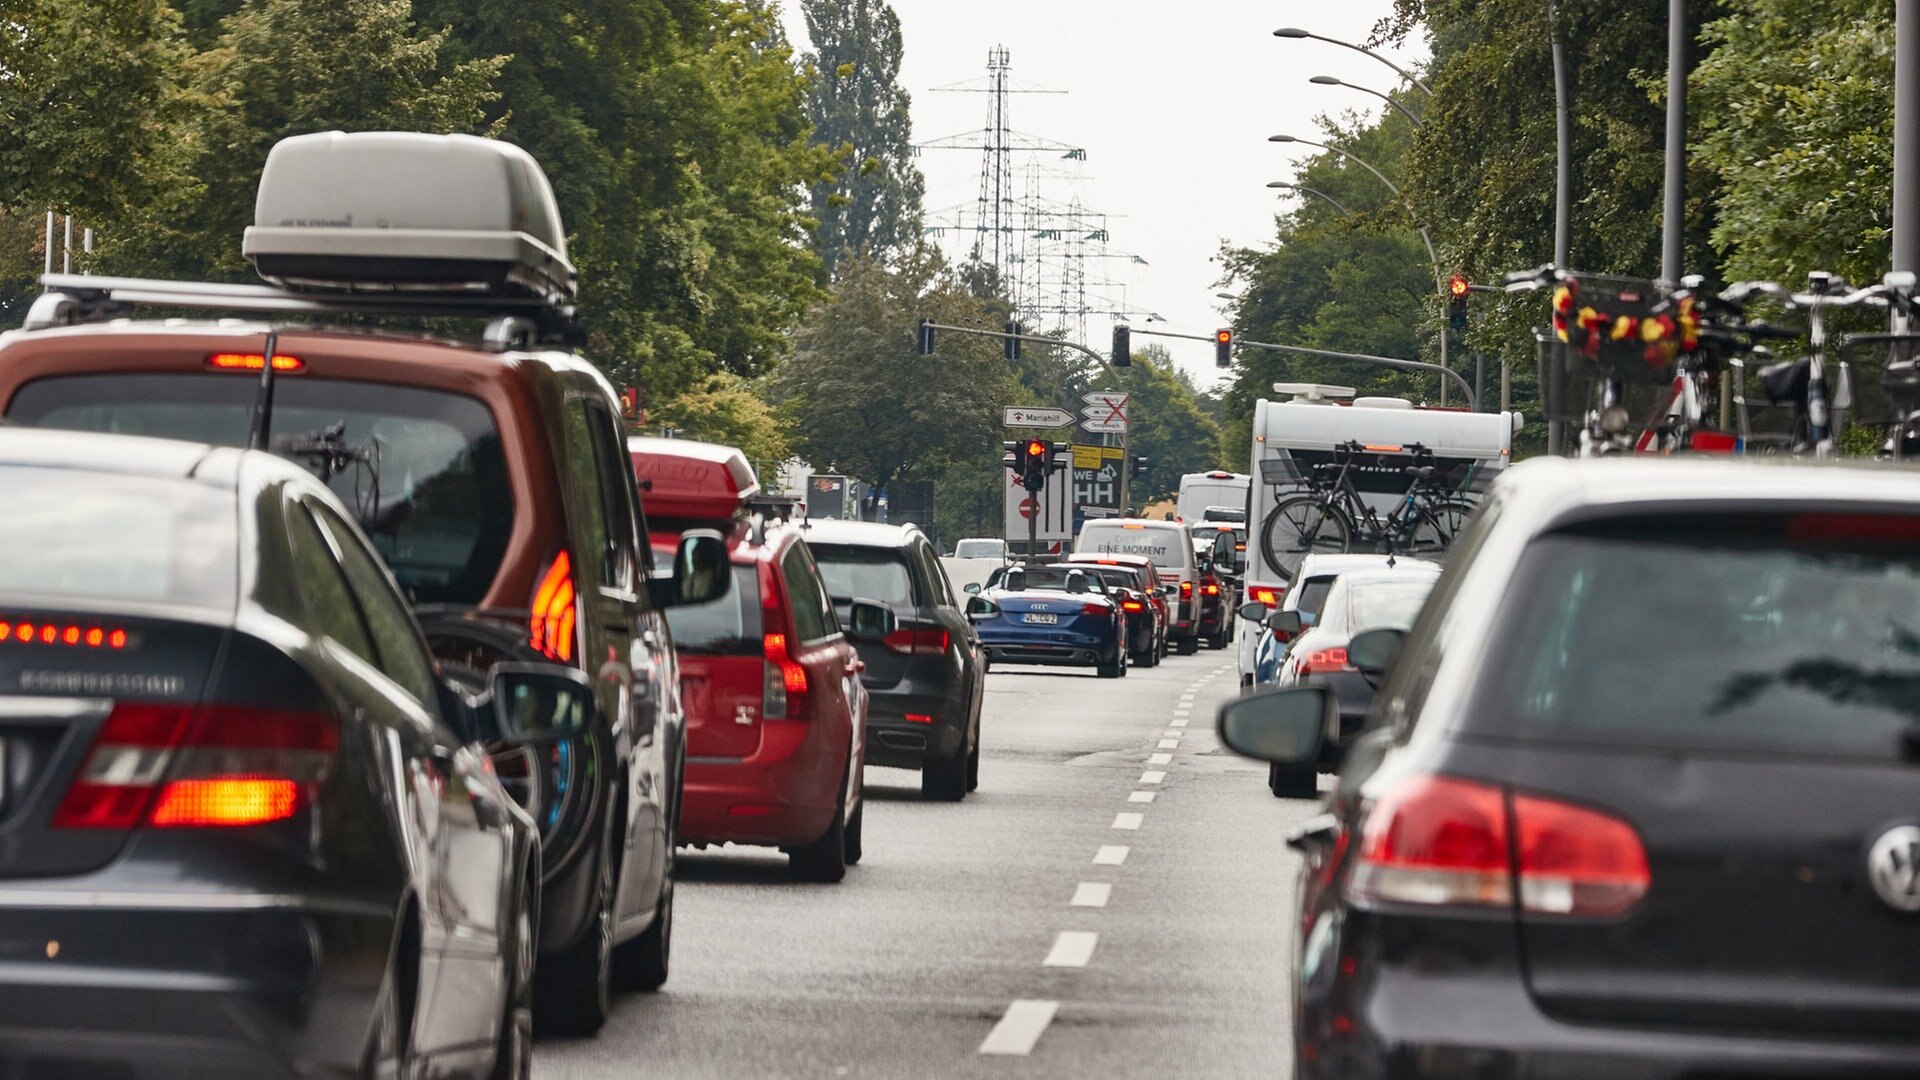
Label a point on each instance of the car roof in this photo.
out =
(1325, 565)
(125, 455)
(1133, 523)
(1556, 488)
(1378, 577)
(859, 533)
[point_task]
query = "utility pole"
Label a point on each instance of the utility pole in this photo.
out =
(1562, 228)
(1906, 135)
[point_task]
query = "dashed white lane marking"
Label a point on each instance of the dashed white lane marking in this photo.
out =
(1140, 796)
(1073, 948)
(1159, 759)
(1179, 721)
(1019, 1028)
(1174, 733)
(1091, 894)
(1110, 855)
(1128, 821)
(1153, 776)
(1169, 744)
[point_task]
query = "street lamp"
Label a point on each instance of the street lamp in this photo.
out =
(1297, 33)
(1328, 80)
(1310, 191)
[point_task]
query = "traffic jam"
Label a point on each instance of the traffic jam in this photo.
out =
(370, 699)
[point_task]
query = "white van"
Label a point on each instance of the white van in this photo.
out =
(1201, 490)
(1292, 435)
(1170, 548)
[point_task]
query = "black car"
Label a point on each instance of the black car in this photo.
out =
(246, 829)
(926, 680)
(1640, 796)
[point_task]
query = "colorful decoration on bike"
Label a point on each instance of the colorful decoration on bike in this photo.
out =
(1654, 336)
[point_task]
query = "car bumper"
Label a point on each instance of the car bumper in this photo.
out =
(785, 793)
(894, 740)
(208, 985)
(1073, 650)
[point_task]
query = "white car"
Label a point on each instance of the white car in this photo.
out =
(1311, 581)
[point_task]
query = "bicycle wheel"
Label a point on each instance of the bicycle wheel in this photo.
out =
(1298, 527)
(1441, 520)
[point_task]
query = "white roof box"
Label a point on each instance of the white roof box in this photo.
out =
(400, 211)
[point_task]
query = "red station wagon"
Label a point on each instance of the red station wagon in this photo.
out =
(776, 714)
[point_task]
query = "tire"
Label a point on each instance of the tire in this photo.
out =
(513, 1054)
(973, 767)
(1301, 526)
(1293, 782)
(944, 780)
(856, 829)
(1152, 657)
(1188, 646)
(573, 990)
(643, 963)
(1115, 669)
(824, 860)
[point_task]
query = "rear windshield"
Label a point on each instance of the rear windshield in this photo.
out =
(430, 486)
(1052, 577)
(1161, 546)
(69, 535)
(1756, 632)
(729, 626)
(979, 549)
(1387, 605)
(863, 573)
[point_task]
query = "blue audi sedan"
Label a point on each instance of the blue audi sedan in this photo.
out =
(1056, 615)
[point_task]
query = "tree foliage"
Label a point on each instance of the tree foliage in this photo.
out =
(726, 409)
(860, 112)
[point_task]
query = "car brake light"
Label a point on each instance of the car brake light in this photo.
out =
(1186, 588)
(1094, 609)
(225, 766)
(783, 692)
(1132, 605)
(551, 624)
(254, 362)
(1324, 662)
(918, 641)
(1438, 840)
(1269, 597)
(920, 718)
(1211, 589)
(27, 632)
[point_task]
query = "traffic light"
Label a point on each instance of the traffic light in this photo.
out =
(1457, 289)
(1010, 346)
(926, 337)
(1140, 467)
(1010, 456)
(1223, 348)
(1122, 345)
(1036, 462)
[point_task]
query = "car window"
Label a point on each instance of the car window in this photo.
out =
(812, 617)
(729, 626)
(979, 549)
(586, 501)
(1384, 605)
(402, 654)
(937, 584)
(329, 605)
(614, 480)
(869, 573)
(1312, 594)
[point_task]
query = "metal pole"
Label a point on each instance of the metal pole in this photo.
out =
(1674, 222)
(66, 247)
(50, 216)
(1407, 365)
(1906, 135)
(1506, 385)
(1562, 224)
(1479, 377)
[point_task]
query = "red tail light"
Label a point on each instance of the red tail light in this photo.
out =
(1186, 589)
(1437, 840)
(919, 640)
(223, 766)
(783, 694)
(254, 362)
(1264, 595)
(551, 624)
(1211, 589)
(1324, 662)
(88, 636)
(1132, 605)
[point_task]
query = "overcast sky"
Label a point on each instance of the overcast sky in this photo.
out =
(1173, 103)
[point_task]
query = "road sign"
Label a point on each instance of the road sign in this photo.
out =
(1106, 413)
(1022, 416)
(1096, 481)
(1055, 506)
(1027, 507)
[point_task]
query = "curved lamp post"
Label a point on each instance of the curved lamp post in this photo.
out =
(1296, 33)
(1328, 80)
(1310, 191)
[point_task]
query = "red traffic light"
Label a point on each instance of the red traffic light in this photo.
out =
(1036, 448)
(1457, 286)
(1223, 337)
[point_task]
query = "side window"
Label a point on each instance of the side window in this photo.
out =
(617, 498)
(1406, 692)
(585, 498)
(813, 616)
(329, 607)
(403, 656)
(936, 574)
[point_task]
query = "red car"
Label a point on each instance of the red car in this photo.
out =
(776, 714)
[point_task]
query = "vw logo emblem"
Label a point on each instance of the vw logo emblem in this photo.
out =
(1894, 866)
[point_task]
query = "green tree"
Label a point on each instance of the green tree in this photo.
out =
(725, 409)
(860, 111)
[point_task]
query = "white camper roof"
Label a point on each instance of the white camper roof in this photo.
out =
(1388, 422)
(406, 212)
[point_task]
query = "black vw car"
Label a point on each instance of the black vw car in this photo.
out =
(1640, 796)
(245, 828)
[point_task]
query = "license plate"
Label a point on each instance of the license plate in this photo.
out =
(1040, 620)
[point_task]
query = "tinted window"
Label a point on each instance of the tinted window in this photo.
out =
(402, 655)
(586, 496)
(614, 479)
(936, 579)
(729, 626)
(868, 573)
(1749, 632)
(1054, 577)
(71, 534)
(330, 608)
(1313, 595)
(1386, 604)
(429, 485)
(812, 619)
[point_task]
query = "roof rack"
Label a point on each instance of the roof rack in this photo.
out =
(512, 321)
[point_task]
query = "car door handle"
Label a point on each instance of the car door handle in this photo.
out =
(1321, 828)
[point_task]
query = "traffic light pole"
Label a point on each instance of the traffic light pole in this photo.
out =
(1466, 391)
(1126, 437)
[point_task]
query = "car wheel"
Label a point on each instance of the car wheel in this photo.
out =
(1115, 669)
(513, 1056)
(1293, 782)
(856, 829)
(944, 780)
(643, 963)
(1188, 646)
(1152, 657)
(973, 768)
(824, 860)
(573, 990)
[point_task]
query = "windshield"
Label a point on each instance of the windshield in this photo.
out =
(68, 535)
(428, 483)
(856, 573)
(980, 549)
(1756, 633)
(1386, 605)
(1052, 577)
(729, 626)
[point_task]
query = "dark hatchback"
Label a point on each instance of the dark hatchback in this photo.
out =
(245, 828)
(926, 680)
(1641, 793)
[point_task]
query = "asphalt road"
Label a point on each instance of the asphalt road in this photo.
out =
(1169, 963)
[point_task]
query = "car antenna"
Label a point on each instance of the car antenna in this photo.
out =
(263, 402)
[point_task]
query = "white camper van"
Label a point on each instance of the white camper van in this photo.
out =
(1306, 428)
(1201, 490)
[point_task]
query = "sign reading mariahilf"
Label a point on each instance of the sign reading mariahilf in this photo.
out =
(1036, 417)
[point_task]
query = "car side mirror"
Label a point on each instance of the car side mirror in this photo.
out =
(979, 609)
(1223, 549)
(1170, 590)
(1374, 651)
(539, 703)
(1281, 726)
(1253, 611)
(870, 620)
(972, 588)
(1286, 622)
(702, 572)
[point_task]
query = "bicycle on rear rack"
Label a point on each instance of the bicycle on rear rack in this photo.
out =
(1900, 369)
(1331, 514)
